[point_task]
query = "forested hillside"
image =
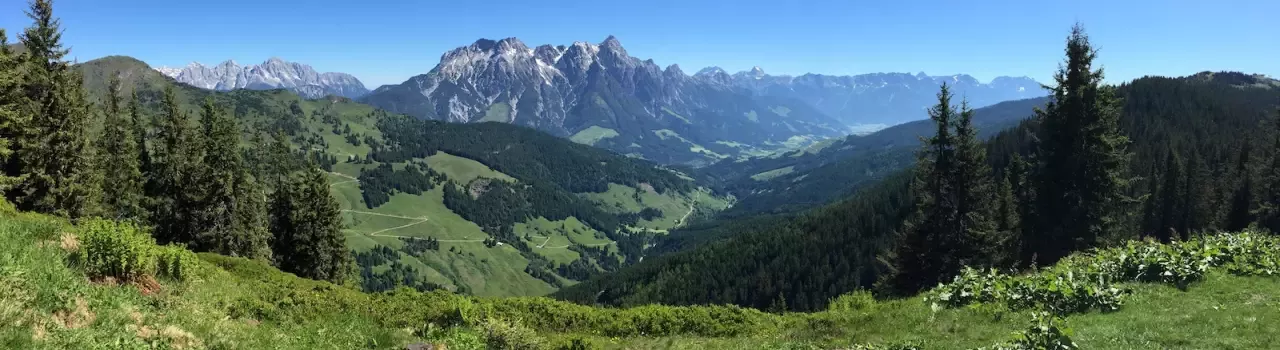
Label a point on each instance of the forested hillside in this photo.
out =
(835, 169)
(417, 203)
(438, 183)
(1221, 126)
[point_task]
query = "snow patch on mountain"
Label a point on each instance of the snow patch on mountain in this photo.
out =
(275, 73)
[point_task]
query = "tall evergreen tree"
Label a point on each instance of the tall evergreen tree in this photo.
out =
(974, 196)
(123, 197)
(307, 227)
(1198, 198)
(1081, 181)
(12, 117)
(232, 208)
(1008, 223)
(1240, 213)
(173, 158)
(952, 224)
(1171, 201)
(1269, 210)
(1019, 174)
(53, 152)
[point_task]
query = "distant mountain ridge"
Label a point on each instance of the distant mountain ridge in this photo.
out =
(878, 98)
(600, 95)
(275, 73)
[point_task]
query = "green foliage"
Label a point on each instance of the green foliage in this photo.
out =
(860, 300)
(1081, 178)
(1046, 332)
(12, 121)
(1093, 281)
(173, 158)
(123, 198)
(116, 249)
(307, 227)
(175, 262)
(505, 335)
(53, 152)
(954, 221)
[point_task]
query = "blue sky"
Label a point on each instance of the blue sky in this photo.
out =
(388, 41)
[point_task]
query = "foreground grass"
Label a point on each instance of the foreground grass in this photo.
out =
(47, 302)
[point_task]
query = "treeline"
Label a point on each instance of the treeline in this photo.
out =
(190, 185)
(1164, 158)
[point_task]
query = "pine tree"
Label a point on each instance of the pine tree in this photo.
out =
(1008, 223)
(53, 153)
(12, 118)
(1081, 182)
(1198, 198)
(172, 189)
(1171, 221)
(952, 225)
(1024, 198)
(1269, 209)
(123, 198)
(1240, 213)
(980, 241)
(231, 208)
(307, 227)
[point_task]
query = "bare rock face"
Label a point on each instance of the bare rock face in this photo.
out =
(650, 112)
(275, 73)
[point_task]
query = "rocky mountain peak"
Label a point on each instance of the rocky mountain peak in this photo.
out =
(274, 73)
(511, 45)
(611, 43)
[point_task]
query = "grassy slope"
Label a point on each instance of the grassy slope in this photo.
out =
(1221, 312)
(45, 302)
(674, 207)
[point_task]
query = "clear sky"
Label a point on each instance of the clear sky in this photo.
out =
(388, 41)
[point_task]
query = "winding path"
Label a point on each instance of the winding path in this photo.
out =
(692, 204)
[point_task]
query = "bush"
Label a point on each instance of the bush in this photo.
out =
(855, 301)
(505, 335)
(1045, 333)
(115, 249)
(1091, 281)
(175, 262)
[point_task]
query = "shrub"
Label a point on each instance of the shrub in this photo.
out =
(855, 301)
(1091, 281)
(1045, 333)
(175, 262)
(506, 335)
(115, 249)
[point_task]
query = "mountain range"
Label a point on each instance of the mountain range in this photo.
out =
(866, 102)
(275, 73)
(598, 94)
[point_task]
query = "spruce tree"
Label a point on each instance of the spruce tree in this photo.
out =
(307, 227)
(53, 153)
(12, 118)
(980, 241)
(952, 225)
(232, 206)
(1269, 209)
(1240, 213)
(1081, 181)
(1008, 223)
(123, 197)
(1171, 221)
(172, 189)
(1024, 198)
